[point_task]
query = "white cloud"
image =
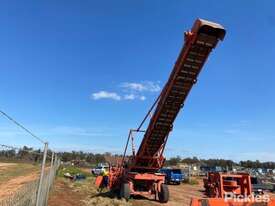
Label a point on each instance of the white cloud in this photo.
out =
(147, 86)
(142, 98)
(130, 91)
(105, 95)
(133, 86)
(129, 97)
(133, 97)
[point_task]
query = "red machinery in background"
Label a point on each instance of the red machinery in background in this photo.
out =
(139, 174)
(231, 189)
(218, 184)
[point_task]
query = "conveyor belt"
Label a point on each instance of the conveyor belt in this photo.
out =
(198, 44)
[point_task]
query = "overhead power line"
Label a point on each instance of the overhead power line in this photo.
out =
(22, 127)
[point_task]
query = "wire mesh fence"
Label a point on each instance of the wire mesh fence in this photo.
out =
(31, 191)
(24, 196)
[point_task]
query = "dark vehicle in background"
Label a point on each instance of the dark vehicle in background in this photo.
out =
(207, 169)
(259, 187)
(172, 176)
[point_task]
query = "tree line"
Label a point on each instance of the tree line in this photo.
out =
(25, 154)
(91, 158)
(31, 155)
(219, 162)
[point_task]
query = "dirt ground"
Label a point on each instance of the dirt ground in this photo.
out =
(179, 195)
(81, 193)
(6, 165)
(14, 175)
(84, 193)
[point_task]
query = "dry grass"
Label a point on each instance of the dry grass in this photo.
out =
(83, 193)
(9, 171)
(14, 176)
(96, 197)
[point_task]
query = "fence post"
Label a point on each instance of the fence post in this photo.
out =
(57, 164)
(189, 173)
(50, 179)
(38, 197)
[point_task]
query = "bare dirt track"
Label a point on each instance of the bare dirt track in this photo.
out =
(5, 165)
(14, 184)
(64, 195)
(15, 175)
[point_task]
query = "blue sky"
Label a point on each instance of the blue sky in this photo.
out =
(60, 58)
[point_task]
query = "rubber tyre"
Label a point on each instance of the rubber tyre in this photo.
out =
(125, 191)
(164, 193)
